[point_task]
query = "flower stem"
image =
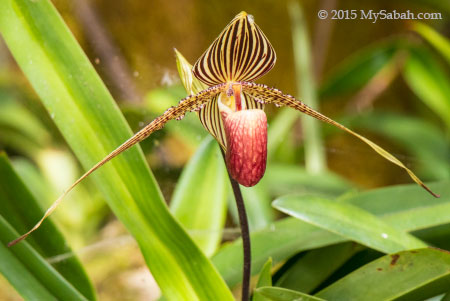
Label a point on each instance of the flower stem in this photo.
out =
(245, 233)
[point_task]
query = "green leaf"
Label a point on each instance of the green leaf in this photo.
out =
(357, 70)
(284, 178)
(389, 201)
(289, 236)
(199, 199)
(19, 128)
(280, 240)
(265, 279)
(349, 221)
(279, 128)
(93, 126)
(22, 279)
(257, 201)
(308, 272)
(438, 41)
(282, 294)
(428, 81)
(24, 265)
(315, 158)
(408, 275)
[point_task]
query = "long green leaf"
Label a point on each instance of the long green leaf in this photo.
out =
(282, 294)
(40, 270)
(289, 236)
(199, 199)
(349, 221)
(438, 41)
(388, 201)
(91, 123)
(315, 158)
(428, 81)
(27, 262)
(308, 272)
(409, 275)
(22, 279)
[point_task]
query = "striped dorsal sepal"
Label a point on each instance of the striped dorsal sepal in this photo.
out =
(240, 53)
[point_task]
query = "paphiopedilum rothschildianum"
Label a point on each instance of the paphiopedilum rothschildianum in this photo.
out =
(231, 106)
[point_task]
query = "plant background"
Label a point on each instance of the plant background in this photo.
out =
(140, 71)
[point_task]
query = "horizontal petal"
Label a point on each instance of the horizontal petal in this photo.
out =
(190, 103)
(265, 94)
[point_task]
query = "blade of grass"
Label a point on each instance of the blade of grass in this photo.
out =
(92, 124)
(315, 159)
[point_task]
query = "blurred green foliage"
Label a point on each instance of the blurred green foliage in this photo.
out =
(389, 80)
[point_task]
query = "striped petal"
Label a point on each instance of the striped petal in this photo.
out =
(265, 94)
(240, 53)
(210, 118)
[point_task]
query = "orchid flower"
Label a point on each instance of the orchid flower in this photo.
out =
(231, 106)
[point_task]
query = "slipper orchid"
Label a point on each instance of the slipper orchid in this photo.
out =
(231, 106)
